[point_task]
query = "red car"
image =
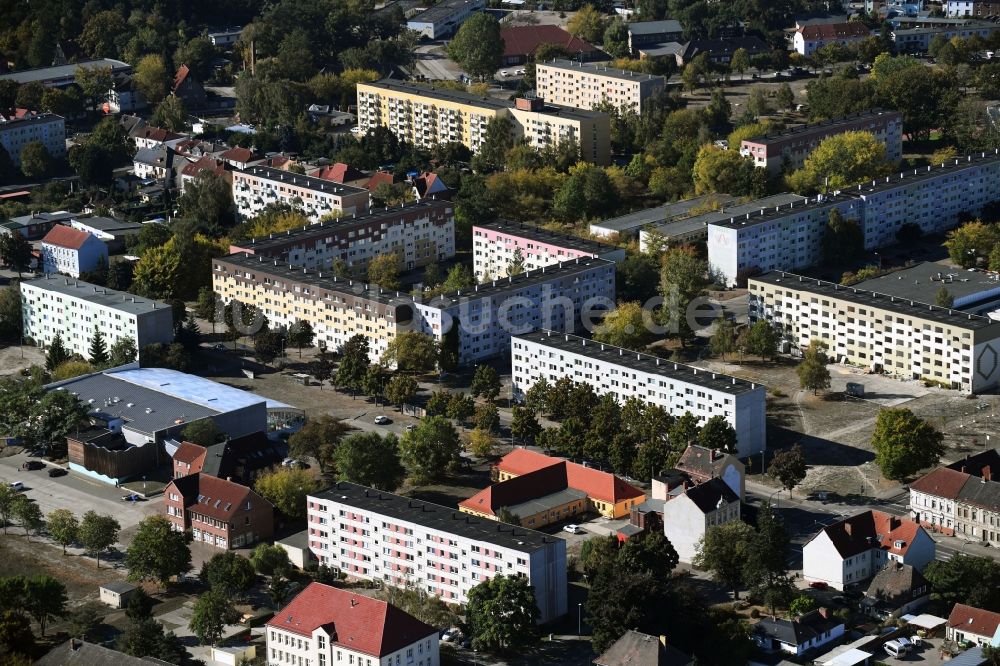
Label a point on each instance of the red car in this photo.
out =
(818, 585)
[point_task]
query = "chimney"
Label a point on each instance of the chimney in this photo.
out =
(663, 640)
(847, 528)
(353, 603)
(987, 473)
(824, 612)
(73, 645)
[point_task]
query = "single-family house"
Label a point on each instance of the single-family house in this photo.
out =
(689, 511)
(799, 635)
(70, 251)
(898, 589)
(635, 648)
(968, 624)
(811, 38)
(851, 551)
(188, 88)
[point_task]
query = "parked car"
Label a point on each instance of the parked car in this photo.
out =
(32, 465)
(131, 497)
(572, 529)
(57, 471)
(818, 585)
(382, 420)
(916, 641)
(218, 345)
(17, 486)
(411, 426)
(894, 649)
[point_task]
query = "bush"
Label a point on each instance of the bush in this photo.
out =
(754, 613)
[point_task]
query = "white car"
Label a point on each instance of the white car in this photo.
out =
(382, 420)
(356, 129)
(521, 72)
(573, 529)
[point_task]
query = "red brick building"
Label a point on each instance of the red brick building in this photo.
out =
(218, 512)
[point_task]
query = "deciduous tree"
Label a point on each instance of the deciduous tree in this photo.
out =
(485, 383)
(430, 449)
(477, 46)
(788, 467)
(98, 533)
(840, 161)
(383, 270)
(718, 434)
(29, 514)
(64, 527)
(411, 351)
(724, 551)
(370, 460)
(287, 488)
(904, 444)
(502, 614)
(151, 78)
(812, 371)
(400, 390)
(628, 326)
(212, 611)
(157, 552)
(228, 573)
(524, 426)
(319, 439)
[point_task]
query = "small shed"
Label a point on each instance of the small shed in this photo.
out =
(117, 593)
(297, 547)
(233, 655)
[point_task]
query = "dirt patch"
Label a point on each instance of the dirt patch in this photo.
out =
(15, 358)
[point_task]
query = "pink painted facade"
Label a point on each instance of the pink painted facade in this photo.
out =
(494, 246)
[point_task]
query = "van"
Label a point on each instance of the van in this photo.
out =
(16, 486)
(894, 649)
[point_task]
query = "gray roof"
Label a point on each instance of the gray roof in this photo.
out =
(658, 50)
(971, 657)
(602, 70)
(299, 180)
(536, 233)
(641, 218)
(637, 649)
(919, 282)
(437, 517)
(33, 119)
(723, 214)
(522, 280)
(442, 94)
(297, 540)
(873, 299)
(707, 496)
(640, 362)
(38, 218)
(797, 631)
(823, 126)
(442, 11)
(109, 298)
(78, 653)
(546, 502)
(981, 493)
(153, 156)
(61, 71)
(654, 27)
(894, 585)
(119, 586)
(107, 224)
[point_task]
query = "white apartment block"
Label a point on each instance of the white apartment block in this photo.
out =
(257, 186)
(373, 535)
(418, 233)
(45, 128)
(788, 150)
(71, 251)
(74, 310)
(585, 85)
(935, 198)
(558, 297)
(328, 626)
(495, 245)
(886, 334)
(675, 387)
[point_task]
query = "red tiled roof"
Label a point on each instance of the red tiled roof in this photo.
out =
(974, 620)
(67, 237)
(872, 529)
(522, 40)
(238, 154)
(597, 484)
(205, 163)
(377, 179)
(354, 621)
(941, 482)
(828, 31)
(157, 134)
(220, 499)
(338, 173)
(182, 73)
(520, 489)
(188, 452)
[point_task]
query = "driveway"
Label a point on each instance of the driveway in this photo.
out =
(177, 620)
(76, 493)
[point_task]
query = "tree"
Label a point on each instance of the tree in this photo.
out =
(813, 373)
(682, 278)
(383, 270)
(270, 560)
(29, 514)
(85, 619)
(197, 53)
(477, 46)
(502, 614)
(45, 599)
(322, 368)
(944, 298)
(287, 488)
(762, 340)
(842, 238)
(788, 467)
(318, 439)
(516, 265)
(536, 398)
(98, 352)
(972, 242)
(482, 443)
(437, 404)
(588, 24)
(740, 61)
(627, 326)
(11, 324)
(411, 351)
(98, 533)
(966, 579)
(228, 573)
(170, 114)
(524, 426)
(370, 460)
(35, 160)
(461, 407)
(718, 434)
(400, 390)
(430, 449)
(353, 362)
(15, 250)
(202, 432)
(766, 567)
(487, 417)
(724, 551)
(64, 527)
(212, 611)
(15, 636)
(122, 351)
(839, 161)
(485, 383)
(49, 420)
(925, 97)
(157, 552)
(300, 334)
(209, 200)
(151, 78)
(723, 340)
(492, 155)
(905, 444)
(802, 604)
(7, 497)
(785, 98)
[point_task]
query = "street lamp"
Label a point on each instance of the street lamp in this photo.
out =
(579, 619)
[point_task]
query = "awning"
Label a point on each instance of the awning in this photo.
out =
(924, 621)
